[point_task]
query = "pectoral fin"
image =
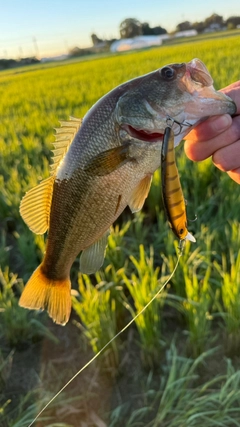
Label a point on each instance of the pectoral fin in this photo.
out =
(36, 204)
(108, 161)
(92, 258)
(140, 193)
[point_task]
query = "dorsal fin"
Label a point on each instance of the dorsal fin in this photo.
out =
(64, 137)
(36, 204)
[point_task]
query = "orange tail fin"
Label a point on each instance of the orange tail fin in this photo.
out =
(52, 295)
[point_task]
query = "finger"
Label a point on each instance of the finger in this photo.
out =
(235, 175)
(217, 124)
(210, 128)
(232, 86)
(233, 91)
(227, 158)
(199, 151)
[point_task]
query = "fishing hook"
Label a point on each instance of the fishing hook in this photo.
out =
(170, 122)
(193, 220)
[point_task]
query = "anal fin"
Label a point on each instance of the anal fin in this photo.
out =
(139, 194)
(92, 258)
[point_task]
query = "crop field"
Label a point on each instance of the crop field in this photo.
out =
(178, 364)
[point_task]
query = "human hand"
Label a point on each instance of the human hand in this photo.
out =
(219, 137)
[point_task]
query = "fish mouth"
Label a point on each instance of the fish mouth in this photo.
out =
(143, 134)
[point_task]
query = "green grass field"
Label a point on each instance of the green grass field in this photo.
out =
(178, 365)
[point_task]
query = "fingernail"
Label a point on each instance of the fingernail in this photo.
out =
(222, 122)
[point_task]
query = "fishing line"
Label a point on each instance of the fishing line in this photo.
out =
(109, 342)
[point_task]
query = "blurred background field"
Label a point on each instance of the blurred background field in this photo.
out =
(179, 364)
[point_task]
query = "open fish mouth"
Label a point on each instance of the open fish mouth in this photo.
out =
(143, 134)
(146, 135)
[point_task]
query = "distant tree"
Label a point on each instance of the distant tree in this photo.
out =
(184, 26)
(75, 51)
(146, 29)
(95, 39)
(130, 28)
(214, 19)
(11, 63)
(199, 26)
(152, 31)
(159, 30)
(233, 21)
(7, 63)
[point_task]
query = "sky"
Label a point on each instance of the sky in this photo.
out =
(52, 27)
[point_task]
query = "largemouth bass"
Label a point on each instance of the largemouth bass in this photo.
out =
(104, 163)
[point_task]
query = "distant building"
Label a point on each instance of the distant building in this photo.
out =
(187, 33)
(215, 26)
(138, 42)
(55, 58)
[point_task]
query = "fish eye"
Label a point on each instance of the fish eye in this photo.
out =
(181, 231)
(167, 73)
